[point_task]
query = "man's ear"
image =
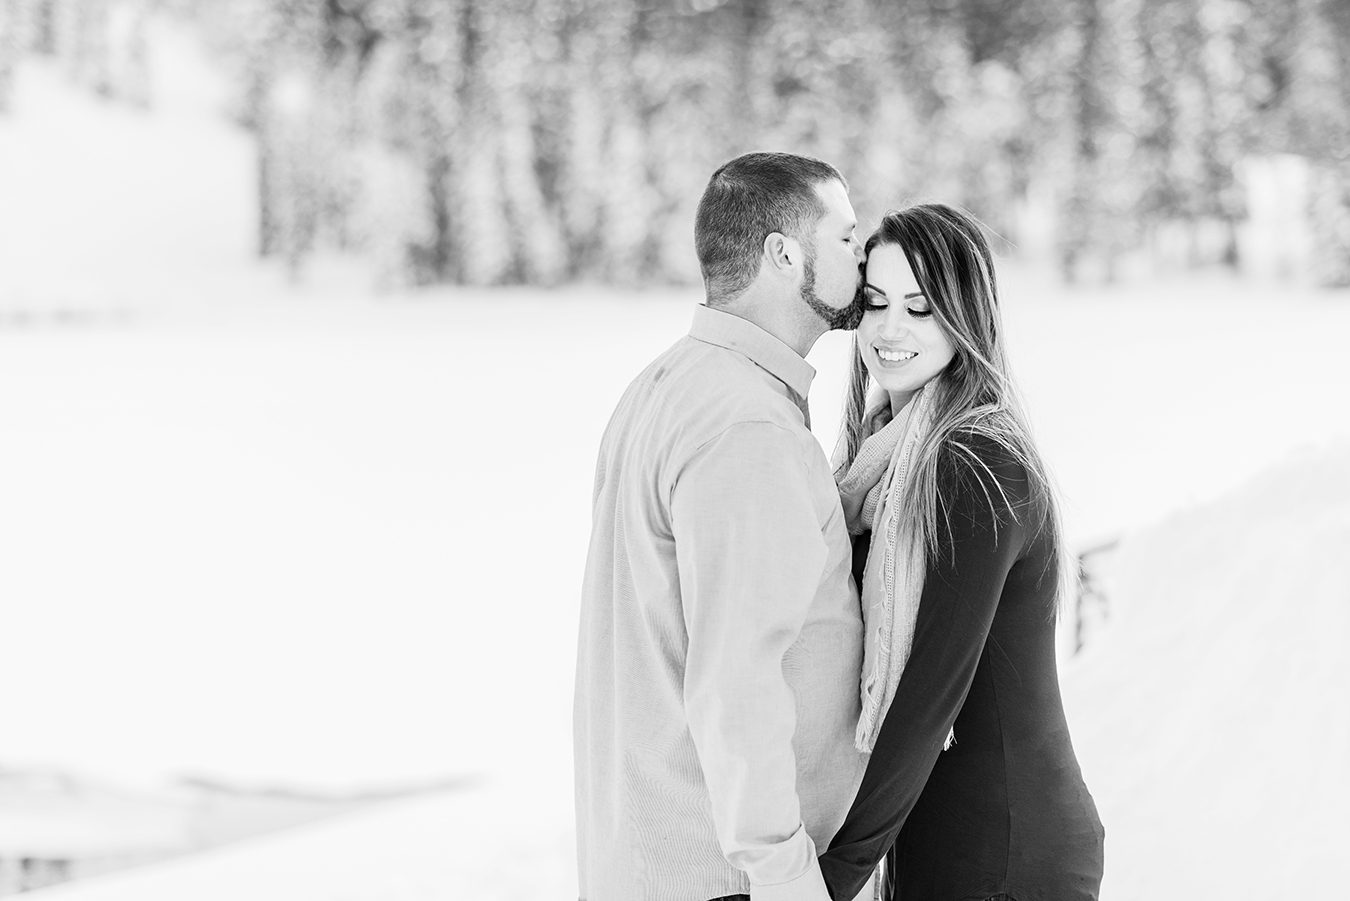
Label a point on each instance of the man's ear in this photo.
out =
(782, 254)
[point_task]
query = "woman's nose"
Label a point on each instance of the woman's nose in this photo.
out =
(895, 325)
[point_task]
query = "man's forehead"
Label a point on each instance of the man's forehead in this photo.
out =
(838, 209)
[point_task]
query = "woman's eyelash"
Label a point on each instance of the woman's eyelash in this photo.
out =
(876, 302)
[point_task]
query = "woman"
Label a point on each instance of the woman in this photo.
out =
(945, 491)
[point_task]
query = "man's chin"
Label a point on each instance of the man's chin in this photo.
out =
(847, 318)
(839, 319)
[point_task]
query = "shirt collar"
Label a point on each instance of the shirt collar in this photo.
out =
(764, 350)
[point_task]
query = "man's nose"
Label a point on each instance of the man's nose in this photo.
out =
(858, 252)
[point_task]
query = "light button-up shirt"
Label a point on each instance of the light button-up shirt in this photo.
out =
(721, 635)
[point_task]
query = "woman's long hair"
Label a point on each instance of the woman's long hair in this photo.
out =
(974, 397)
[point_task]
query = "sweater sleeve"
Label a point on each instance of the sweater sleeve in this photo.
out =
(962, 586)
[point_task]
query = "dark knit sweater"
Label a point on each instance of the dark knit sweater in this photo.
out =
(1005, 809)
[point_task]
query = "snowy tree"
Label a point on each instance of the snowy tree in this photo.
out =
(1325, 67)
(538, 141)
(11, 42)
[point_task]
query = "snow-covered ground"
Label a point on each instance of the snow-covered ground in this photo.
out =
(313, 537)
(482, 845)
(1211, 719)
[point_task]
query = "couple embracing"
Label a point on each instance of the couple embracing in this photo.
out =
(800, 680)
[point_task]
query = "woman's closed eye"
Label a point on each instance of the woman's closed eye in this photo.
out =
(874, 300)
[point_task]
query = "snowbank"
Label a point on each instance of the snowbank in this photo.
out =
(1211, 718)
(494, 843)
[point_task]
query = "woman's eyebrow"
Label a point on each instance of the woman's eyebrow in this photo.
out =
(913, 294)
(874, 288)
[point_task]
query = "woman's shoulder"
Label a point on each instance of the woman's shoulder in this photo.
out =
(992, 452)
(986, 470)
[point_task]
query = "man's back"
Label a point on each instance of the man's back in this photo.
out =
(720, 644)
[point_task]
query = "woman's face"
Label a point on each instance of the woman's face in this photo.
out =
(900, 340)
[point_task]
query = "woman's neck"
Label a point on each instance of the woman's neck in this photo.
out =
(900, 401)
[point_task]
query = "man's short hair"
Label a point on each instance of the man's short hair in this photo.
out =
(748, 199)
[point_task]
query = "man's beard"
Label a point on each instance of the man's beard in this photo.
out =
(840, 318)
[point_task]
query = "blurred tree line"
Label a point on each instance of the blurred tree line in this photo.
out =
(544, 141)
(101, 43)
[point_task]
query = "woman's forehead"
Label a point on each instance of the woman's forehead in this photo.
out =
(887, 263)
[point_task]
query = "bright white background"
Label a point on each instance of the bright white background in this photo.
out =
(311, 536)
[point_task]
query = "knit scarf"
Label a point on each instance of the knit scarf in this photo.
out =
(871, 489)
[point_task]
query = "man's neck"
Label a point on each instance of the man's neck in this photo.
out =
(780, 316)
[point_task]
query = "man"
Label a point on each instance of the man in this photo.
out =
(721, 634)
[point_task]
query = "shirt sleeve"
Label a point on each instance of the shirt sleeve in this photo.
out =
(962, 587)
(751, 556)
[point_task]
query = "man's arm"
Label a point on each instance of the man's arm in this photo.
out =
(751, 555)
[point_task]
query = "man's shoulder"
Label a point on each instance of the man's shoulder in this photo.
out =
(720, 388)
(694, 393)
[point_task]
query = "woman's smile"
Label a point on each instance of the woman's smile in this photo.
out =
(891, 358)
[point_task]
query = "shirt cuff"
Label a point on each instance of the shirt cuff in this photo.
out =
(809, 886)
